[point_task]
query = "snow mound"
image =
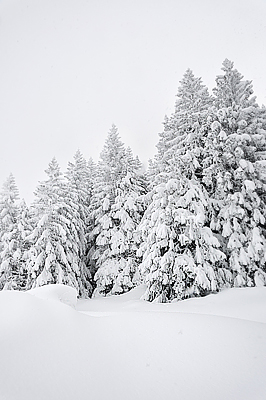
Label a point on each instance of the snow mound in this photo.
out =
(63, 293)
(110, 304)
(184, 350)
(100, 306)
(241, 303)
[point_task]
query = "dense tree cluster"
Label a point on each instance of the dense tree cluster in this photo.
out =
(192, 224)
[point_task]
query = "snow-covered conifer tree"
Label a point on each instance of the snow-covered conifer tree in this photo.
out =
(232, 89)
(182, 138)
(234, 174)
(54, 256)
(80, 176)
(92, 173)
(8, 203)
(108, 172)
(10, 255)
(25, 224)
(117, 211)
(181, 256)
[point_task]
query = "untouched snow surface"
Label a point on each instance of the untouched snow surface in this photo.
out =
(122, 348)
(63, 293)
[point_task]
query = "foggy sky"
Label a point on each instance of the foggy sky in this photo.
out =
(71, 68)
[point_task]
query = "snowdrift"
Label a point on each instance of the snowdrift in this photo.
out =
(65, 294)
(123, 348)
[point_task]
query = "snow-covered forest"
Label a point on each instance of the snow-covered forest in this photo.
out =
(192, 224)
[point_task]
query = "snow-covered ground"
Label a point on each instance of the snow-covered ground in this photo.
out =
(122, 348)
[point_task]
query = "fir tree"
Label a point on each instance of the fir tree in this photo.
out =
(182, 139)
(8, 201)
(54, 256)
(119, 270)
(25, 224)
(92, 173)
(233, 174)
(232, 89)
(180, 253)
(117, 211)
(108, 172)
(80, 176)
(10, 256)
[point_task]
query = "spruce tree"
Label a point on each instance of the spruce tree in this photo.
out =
(234, 160)
(108, 172)
(10, 239)
(181, 255)
(182, 138)
(80, 176)
(8, 203)
(25, 224)
(54, 256)
(117, 211)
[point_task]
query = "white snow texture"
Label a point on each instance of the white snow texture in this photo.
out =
(121, 347)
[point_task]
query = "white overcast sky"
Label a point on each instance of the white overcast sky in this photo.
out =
(71, 68)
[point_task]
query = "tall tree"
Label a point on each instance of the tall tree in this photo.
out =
(9, 236)
(234, 160)
(232, 89)
(55, 252)
(117, 211)
(80, 177)
(109, 171)
(180, 253)
(181, 140)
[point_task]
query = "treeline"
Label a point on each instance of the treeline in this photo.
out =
(192, 224)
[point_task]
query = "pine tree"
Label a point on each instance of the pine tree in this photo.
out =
(8, 200)
(118, 272)
(233, 174)
(10, 256)
(25, 224)
(232, 89)
(181, 256)
(54, 256)
(92, 174)
(108, 172)
(117, 211)
(182, 139)
(80, 176)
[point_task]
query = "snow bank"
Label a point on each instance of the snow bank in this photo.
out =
(241, 303)
(140, 351)
(111, 304)
(65, 294)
